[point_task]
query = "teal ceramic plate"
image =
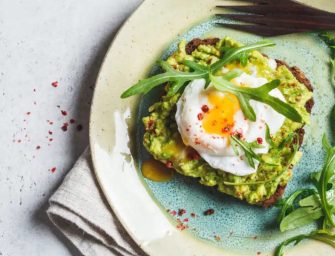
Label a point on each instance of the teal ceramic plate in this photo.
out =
(234, 224)
(149, 210)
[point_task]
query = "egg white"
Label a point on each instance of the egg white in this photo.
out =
(215, 149)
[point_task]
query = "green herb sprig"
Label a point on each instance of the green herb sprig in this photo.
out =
(276, 177)
(320, 235)
(305, 206)
(329, 39)
(178, 79)
(248, 149)
(261, 94)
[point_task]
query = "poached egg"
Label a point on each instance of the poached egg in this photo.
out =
(206, 119)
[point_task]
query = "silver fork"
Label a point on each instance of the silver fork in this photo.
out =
(277, 17)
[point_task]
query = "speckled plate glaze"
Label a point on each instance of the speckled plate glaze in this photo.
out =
(116, 133)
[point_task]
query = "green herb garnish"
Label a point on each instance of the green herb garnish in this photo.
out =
(268, 138)
(178, 79)
(239, 53)
(289, 163)
(170, 75)
(288, 204)
(261, 94)
(327, 174)
(248, 150)
(329, 39)
(308, 205)
(319, 235)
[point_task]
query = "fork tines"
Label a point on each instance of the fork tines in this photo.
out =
(267, 18)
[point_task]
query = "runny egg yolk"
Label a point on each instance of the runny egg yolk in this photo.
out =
(219, 119)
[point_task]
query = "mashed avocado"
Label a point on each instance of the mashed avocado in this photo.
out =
(163, 140)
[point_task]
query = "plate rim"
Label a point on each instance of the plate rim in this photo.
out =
(92, 113)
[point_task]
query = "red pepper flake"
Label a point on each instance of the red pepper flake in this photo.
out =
(204, 108)
(193, 215)
(50, 132)
(181, 226)
(28, 113)
(64, 113)
(38, 147)
(209, 212)
(53, 169)
(259, 140)
(185, 220)
(225, 129)
(238, 134)
(50, 122)
(169, 164)
(18, 141)
(54, 84)
(173, 213)
(196, 141)
(72, 121)
(64, 127)
(181, 212)
(200, 116)
(51, 139)
(79, 127)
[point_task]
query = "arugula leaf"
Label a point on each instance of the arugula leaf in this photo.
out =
(320, 235)
(178, 79)
(329, 39)
(327, 173)
(288, 203)
(261, 94)
(170, 75)
(235, 53)
(300, 217)
(248, 151)
(314, 200)
(289, 162)
(268, 138)
(232, 74)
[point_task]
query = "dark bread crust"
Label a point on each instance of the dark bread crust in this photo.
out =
(193, 45)
(300, 76)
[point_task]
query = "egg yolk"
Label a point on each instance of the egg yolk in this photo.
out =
(219, 119)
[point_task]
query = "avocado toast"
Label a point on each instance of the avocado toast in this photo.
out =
(163, 140)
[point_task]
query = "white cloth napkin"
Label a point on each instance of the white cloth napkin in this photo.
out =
(79, 210)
